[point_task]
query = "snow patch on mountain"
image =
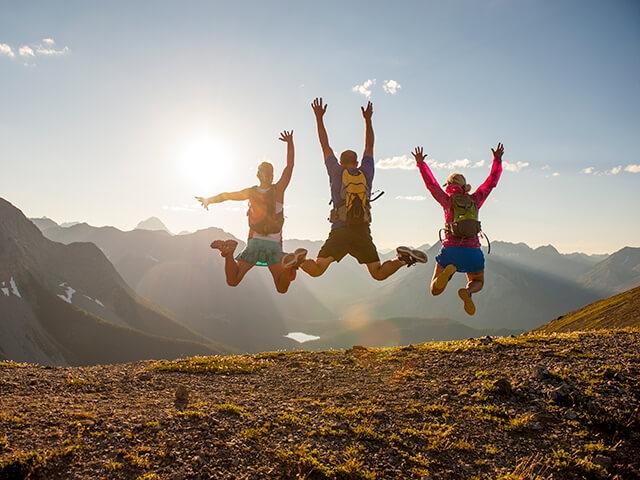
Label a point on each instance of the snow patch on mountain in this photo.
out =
(69, 291)
(11, 288)
(94, 300)
(14, 288)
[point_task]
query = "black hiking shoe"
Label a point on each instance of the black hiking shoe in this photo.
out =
(411, 256)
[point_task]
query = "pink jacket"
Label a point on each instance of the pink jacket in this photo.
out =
(444, 198)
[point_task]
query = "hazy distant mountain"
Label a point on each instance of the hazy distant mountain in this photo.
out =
(524, 287)
(67, 304)
(44, 223)
(545, 259)
(619, 311)
(618, 272)
(400, 331)
(68, 224)
(152, 223)
(184, 276)
(514, 297)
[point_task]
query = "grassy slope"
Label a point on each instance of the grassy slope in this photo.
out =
(563, 404)
(622, 310)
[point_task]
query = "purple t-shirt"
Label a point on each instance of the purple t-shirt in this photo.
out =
(334, 169)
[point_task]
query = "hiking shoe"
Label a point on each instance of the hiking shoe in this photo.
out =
(226, 247)
(411, 256)
(443, 279)
(465, 296)
(295, 259)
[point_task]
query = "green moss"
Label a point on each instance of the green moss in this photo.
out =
(12, 419)
(148, 476)
(302, 461)
(192, 414)
(113, 466)
(352, 467)
(25, 464)
(137, 461)
(289, 418)
(232, 409)
(567, 464)
(256, 433)
(216, 364)
(12, 364)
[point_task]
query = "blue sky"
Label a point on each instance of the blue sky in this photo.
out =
(107, 123)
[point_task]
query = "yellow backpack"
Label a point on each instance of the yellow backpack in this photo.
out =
(355, 207)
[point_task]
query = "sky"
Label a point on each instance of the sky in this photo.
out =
(113, 112)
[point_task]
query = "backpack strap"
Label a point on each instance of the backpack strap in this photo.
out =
(488, 242)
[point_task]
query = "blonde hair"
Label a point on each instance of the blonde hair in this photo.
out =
(458, 179)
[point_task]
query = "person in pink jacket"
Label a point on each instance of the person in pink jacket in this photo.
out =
(461, 246)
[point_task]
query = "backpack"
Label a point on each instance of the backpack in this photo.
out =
(263, 218)
(354, 207)
(465, 223)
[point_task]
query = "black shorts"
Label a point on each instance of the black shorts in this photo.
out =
(354, 241)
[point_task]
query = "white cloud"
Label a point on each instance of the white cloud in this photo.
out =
(6, 50)
(588, 171)
(546, 167)
(391, 86)
(365, 87)
(51, 51)
(47, 49)
(401, 162)
(412, 198)
(514, 167)
(555, 174)
(615, 170)
(632, 168)
(26, 51)
(406, 162)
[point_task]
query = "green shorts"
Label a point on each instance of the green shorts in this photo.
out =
(350, 240)
(262, 253)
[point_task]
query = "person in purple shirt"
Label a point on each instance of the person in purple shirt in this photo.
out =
(350, 217)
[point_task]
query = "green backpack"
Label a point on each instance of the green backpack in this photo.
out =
(465, 223)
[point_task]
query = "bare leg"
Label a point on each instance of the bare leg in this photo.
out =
(436, 279)
(316, 267)
(475, 281)
(474, 285)
(281, 277)
(235, 271)
(436, 271)
(382, 271)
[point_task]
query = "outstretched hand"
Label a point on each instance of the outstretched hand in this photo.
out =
(286, 136)
(367, 113)
(498, 152)
(204, 201)
(419, 154)
(319, 109)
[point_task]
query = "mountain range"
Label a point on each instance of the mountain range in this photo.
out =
(68, 304)
(172, 287)
(524, 288)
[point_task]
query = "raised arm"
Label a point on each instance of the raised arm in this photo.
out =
(221, 197)
(369, 137)
(285, 178)
(483, 191)
(429, 180)
(319, 109)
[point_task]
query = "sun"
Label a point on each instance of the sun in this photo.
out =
(206, 162)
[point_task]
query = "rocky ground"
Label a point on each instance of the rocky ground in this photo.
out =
(538, 406)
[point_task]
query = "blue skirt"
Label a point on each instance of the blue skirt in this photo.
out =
(466, 260)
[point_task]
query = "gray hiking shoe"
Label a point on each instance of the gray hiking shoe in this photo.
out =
(411, 256)
(295, 259)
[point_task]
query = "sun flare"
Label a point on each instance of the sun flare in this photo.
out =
(206, 162)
